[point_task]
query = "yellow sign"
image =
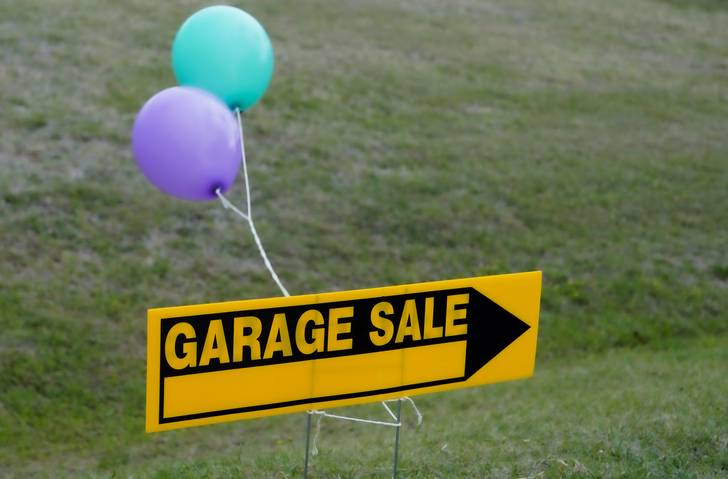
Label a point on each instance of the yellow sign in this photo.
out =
(243, 359)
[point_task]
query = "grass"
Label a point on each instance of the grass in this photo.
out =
(634, 415)
(398, 142)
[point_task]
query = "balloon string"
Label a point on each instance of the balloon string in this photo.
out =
(396, 423)
(249, 217)
(245, 166)
(227, 204)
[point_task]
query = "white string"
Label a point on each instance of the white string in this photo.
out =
(419, 416)
(227, 204)
(314, 451)
(323, 414)
(245, 162)
(414, 406)
(249, 217)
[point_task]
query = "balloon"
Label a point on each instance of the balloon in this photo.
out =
(186, 142)
(225, 51)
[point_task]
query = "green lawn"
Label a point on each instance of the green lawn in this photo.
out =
(635, 414)
(399, 142)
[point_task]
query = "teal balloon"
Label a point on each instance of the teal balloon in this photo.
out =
(225, 51)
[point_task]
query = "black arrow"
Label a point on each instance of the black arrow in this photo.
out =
(491, 329)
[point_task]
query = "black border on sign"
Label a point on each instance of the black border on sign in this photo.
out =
(363, 301)
(503, 328)
(297, 402)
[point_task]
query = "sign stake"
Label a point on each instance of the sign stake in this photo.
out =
(308, 441)
(396, 437)
(397, 424)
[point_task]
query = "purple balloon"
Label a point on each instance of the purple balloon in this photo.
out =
(186, 142)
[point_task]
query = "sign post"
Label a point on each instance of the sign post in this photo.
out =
(244, 359)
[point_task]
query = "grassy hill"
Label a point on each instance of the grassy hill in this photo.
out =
(398, 142)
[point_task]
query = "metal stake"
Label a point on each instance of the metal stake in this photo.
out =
(308, 439)
(396, 438)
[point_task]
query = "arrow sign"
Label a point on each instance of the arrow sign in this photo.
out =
(229, 361)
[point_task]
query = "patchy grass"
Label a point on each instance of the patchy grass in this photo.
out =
(634, 413)
(398, 142)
